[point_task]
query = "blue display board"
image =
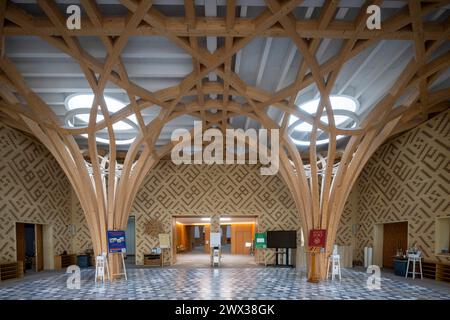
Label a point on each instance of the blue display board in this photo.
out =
(116, 242)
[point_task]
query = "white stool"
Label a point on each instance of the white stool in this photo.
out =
(414, 258)
(334, 261)
(101, 263)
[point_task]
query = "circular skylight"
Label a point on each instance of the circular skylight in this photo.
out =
(344, 111)
(79, 107)
(84, 101)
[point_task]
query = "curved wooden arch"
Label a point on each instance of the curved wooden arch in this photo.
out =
(106, 199)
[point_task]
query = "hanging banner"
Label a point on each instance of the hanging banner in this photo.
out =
(164, 241)
(317, 238)
(260, 240)
(116, 242)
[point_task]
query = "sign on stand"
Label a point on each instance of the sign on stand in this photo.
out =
(117, 245)
(261, 243)
(164, 243)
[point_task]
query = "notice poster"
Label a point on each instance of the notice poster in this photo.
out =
(317, 238)
(214, 239)
(164, 241)
(116, 241)
(260, 240)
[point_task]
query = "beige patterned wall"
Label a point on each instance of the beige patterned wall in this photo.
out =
(33, 189)
(211, 190)
(407, 179)
(345, 235)
(202, 190)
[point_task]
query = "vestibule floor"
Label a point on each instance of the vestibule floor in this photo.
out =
(203, 260)
(226, 283)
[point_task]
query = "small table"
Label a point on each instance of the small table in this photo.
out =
(152, 259)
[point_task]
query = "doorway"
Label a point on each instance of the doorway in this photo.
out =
(238, 233)
(130, 236)
(395, 239)
(191, 241)
(30, 246)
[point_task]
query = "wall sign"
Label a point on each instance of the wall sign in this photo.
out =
(317, 238)
(164, 241)
(260, 240)
(116, 242)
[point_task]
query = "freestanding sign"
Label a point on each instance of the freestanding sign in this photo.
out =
(116, 242)
(316, 242)
(260, 240)
(214, 239)
(317, 238)
(117, 245)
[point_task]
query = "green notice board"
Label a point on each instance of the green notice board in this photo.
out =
(260, 240)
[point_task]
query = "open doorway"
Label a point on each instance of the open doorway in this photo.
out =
(30, 246)
(130, 236)
(191, 241)
(191, 237)
(238, 233)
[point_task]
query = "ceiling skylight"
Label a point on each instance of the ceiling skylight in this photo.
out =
(79, 107)
(344, 107)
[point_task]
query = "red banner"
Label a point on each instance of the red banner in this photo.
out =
(317, 238)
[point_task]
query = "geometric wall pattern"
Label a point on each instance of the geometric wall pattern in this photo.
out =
(211, 190)
(345, 235)
(33, 189)
(81, 241)
(408, 179)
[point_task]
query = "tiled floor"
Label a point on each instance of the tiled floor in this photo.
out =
(226, 283)
(203, 260)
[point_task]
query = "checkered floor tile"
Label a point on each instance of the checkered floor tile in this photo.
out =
(249, 283)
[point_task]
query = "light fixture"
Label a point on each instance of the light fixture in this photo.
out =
(344, 109)
(205, 219)
(79, 107)
(225, 219)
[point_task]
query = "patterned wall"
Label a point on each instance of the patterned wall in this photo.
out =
(33, 189)
(81, 241)
(211, 190)
(407, 179)
(345, 236)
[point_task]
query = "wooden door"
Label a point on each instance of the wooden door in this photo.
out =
(174, 240)
(39, 241)
(207, 236)
(20, 243)
(395, 237)
(241, 234)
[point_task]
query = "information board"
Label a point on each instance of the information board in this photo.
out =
(116, 241)
(164, 241)
(260, 240)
